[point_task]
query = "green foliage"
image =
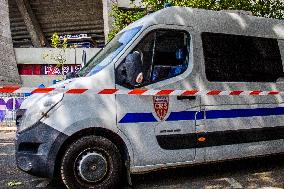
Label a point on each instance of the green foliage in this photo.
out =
(59, 56)
(123, 18)
(264, 8)
(57, 43)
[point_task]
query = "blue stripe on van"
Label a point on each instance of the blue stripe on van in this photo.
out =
(236, 113)
(221, 114)
(138, 117)
(211, 114)
(185, 116)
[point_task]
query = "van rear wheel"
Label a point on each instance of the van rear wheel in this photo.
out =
(91, 162)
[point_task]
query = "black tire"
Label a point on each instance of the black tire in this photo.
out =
(71, 176)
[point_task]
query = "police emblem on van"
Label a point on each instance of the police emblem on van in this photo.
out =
(161, 106)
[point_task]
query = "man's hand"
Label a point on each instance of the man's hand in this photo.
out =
(139, 78)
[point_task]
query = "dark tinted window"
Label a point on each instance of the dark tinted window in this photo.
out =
(235, 58)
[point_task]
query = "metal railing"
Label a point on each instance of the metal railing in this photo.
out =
(9, 103)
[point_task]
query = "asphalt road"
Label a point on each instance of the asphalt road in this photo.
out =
(262, 173)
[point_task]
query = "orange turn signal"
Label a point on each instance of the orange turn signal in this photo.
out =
(201, 139)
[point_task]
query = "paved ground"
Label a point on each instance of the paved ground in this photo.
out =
(262, 173)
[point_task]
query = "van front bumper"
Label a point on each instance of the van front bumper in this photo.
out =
(37, 149)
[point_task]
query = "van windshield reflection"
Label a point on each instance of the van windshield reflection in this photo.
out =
(107, 54)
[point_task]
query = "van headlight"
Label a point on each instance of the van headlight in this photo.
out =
(39, 110)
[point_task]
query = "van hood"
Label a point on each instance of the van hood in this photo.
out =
(31, 100)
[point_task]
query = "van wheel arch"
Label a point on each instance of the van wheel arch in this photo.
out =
(97, 131)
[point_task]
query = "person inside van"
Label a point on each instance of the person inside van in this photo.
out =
(131, 71)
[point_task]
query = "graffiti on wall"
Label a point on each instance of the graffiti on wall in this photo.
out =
(8, 107)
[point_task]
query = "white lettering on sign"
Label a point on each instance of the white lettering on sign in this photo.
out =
(57, 70)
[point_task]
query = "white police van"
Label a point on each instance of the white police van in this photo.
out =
(94, 140)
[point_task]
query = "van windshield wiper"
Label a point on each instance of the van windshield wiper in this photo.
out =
(72, 75)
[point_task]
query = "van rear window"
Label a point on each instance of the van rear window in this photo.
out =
(235, 58)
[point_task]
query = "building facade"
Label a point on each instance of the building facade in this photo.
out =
(31, 23)
(34, 21)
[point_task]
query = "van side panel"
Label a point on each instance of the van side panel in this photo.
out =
(241, 125)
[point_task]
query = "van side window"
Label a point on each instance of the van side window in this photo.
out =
(235, 58)
(164, 54)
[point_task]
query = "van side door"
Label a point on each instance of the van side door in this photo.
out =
(240, 119)
(156, 123)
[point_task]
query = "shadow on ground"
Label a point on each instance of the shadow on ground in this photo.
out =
(250, 173)
(262, 172)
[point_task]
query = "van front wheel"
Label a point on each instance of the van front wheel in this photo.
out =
(91, 162)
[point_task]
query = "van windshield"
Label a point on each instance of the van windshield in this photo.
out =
(105, 56)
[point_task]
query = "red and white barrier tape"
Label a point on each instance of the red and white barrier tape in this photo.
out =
(137, 91)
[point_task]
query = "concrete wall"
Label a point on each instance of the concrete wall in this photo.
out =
(46, 56)
(8, 69)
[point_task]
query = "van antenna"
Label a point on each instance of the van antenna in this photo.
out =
(168, 4)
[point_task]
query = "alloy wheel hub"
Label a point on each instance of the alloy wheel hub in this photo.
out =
(92, 167)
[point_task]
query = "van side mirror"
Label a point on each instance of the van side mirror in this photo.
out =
(280, 79)
(71, 75)
(133, 67)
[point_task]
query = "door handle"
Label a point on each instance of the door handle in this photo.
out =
(186, 97)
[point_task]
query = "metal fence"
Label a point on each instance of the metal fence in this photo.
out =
(9, 103)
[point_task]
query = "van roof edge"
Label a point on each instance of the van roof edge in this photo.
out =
(241, 12)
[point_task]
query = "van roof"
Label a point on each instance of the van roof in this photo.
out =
(215, 21)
